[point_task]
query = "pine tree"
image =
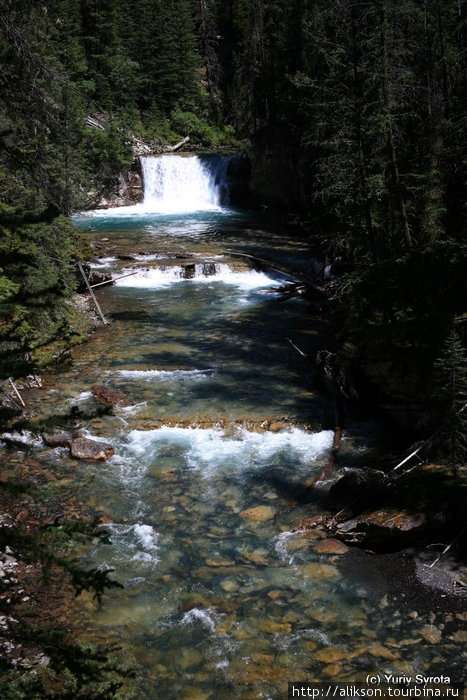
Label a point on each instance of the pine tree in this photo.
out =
(39, 166)
(451, 370)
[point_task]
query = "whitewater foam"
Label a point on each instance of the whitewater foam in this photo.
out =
(206, 616)
(157, 277)
(102, 262)
(208, 449)
(138, 542)
(165, 375)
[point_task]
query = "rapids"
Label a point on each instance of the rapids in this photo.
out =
(220, 599)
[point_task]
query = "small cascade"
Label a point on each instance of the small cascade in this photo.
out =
(166, 275)
(185, 183)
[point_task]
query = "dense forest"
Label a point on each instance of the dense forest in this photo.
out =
(352, 114)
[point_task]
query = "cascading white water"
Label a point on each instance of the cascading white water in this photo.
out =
(182, 183)
(164, 276)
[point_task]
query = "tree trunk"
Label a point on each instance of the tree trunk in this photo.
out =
(178, 145)
(359, 139)
(391, 139)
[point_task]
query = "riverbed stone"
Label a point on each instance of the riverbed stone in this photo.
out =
(330, 546)
(255, 557)
(325, 617)
(91, 450)
(229, 585)
(61, 438)
(332, 671)
(258, 513)
(109, 396)
(319, 571)
(431, 634)
(274, 594)
(330, 655)
(376, 528)
(219, 562)
(380, 651)
(277, 426)
(269, 626)
(460, 636)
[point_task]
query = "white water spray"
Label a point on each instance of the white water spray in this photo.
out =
(164, 276)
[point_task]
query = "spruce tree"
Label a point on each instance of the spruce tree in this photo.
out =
(451, 371)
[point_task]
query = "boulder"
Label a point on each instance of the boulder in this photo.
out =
(383, 528)
(91, 450)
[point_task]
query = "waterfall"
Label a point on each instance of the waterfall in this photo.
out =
(185, 183)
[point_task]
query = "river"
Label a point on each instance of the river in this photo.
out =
(225, 422)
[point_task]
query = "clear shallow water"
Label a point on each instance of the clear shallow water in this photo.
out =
(220, 599)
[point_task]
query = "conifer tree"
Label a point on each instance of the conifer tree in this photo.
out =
(451, 370)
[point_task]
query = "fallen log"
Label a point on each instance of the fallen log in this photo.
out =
(93, 296)
(114, 279)
(94, 123)
(13, 386)
(178, 145)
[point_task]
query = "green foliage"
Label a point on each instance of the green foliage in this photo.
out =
(108, 146)
(451, 369)
(48, 547)
(85, 671)
(36, 282)
(77, 670)
(188, 123)
(451, 377)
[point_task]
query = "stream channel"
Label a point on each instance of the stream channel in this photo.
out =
(224, 423)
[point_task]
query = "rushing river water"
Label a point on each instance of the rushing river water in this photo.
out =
(221, 599)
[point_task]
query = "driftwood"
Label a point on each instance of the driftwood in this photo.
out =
(419, 449)
(13, 386)
(120, 277)
(303, 354)
(10, 398)
(178, 145)
(94, 123)
(448, 547)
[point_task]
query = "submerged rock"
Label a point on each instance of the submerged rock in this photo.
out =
(258, 513)
(379, 651)
(110, 396)
(61, 438)
(219, 562)
(331, 655)
(331, 546)
(91, 450)
(431, 634)
(318, 571)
